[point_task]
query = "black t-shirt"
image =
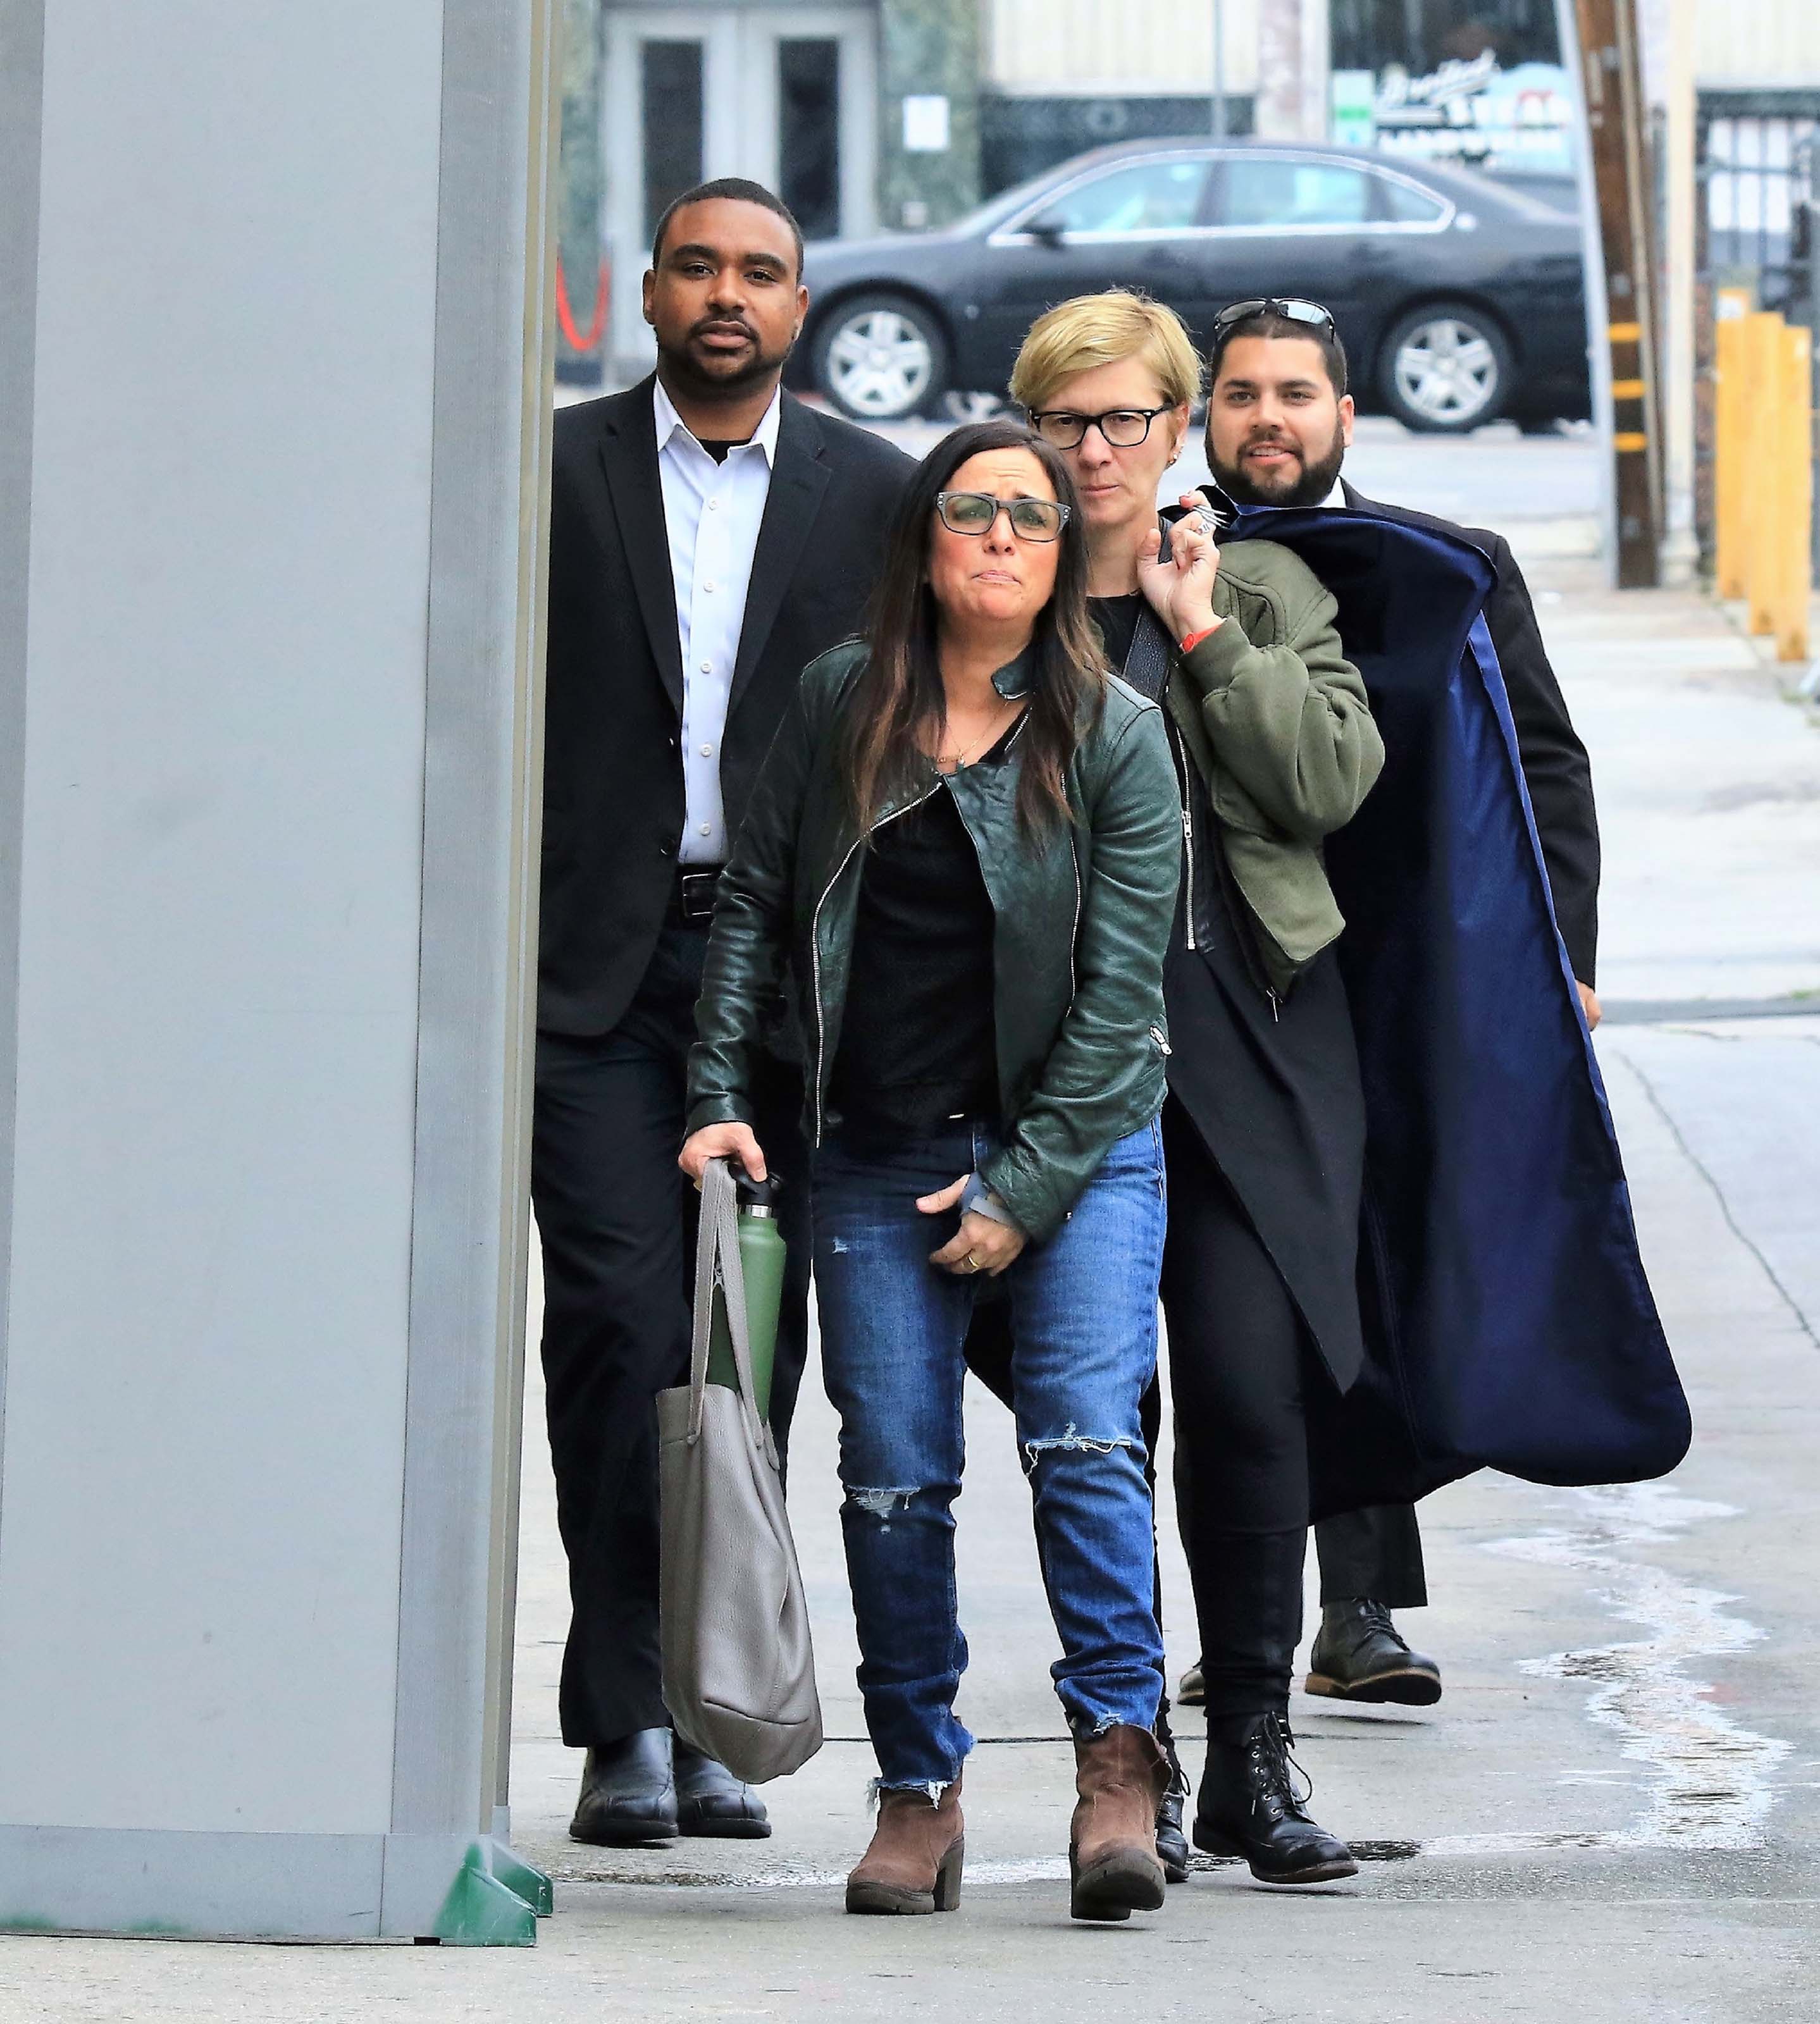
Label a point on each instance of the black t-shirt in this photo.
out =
(1117, 618)
(918, 1039)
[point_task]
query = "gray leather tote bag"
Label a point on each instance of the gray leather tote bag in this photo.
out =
(738, 1671)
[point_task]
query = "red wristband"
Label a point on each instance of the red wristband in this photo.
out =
(1194, 639)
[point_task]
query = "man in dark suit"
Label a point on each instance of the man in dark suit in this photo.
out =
(709, 536)
(1279, 422)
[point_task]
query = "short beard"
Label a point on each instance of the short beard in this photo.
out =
(682, 372)
(1310, 489)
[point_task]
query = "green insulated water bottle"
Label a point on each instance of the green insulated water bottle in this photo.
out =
(761, 1257)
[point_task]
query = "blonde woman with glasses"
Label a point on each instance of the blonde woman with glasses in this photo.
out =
(1275, 749)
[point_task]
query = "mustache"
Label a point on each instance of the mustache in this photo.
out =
(723, 324)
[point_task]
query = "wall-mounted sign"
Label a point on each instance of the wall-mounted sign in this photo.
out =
(1470, 110)
(926, 124)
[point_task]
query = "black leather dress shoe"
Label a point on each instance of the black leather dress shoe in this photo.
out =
(711, 1802)
(1249, 1806)
(627, 1793)
(1358, 1656)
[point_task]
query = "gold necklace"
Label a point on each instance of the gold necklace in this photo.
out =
(953, 762)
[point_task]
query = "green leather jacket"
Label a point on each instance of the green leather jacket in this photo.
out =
(1083, 918)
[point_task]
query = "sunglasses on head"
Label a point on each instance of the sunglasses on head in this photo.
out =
(975, 512)
(1291, 306)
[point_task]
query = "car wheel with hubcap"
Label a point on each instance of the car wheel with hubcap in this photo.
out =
(881, 358)
(1448, 368)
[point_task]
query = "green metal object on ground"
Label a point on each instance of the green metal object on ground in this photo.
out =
(484, 1909)
(519, 1877)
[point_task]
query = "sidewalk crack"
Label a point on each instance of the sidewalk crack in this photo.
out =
(1711, 1180)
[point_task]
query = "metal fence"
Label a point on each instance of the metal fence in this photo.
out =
(1757, 225)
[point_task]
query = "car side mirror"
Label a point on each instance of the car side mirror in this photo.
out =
(1045, 228)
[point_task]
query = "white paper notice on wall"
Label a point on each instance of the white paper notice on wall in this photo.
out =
(926, 124)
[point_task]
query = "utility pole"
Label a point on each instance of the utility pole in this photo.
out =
(1680, 548)
(1617, 159)
(1219, 70)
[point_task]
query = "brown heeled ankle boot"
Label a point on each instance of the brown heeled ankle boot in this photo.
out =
(1112, 1852)
(914, 1862)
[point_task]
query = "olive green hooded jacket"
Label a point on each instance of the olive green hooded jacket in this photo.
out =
(1275, 719)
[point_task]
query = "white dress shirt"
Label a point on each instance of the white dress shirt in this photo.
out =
(711, 512)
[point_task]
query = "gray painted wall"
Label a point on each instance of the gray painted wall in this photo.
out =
(276, 298)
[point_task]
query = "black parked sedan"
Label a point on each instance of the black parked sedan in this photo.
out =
(1459, 301)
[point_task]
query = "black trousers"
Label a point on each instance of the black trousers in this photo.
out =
(1375, 1553)
(1244, 1372)
(617, 1220)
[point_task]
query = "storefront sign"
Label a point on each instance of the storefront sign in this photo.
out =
(1472, 112)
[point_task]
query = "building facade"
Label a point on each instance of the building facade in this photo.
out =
(900, 115)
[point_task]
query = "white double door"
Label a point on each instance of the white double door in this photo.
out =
(786, 96)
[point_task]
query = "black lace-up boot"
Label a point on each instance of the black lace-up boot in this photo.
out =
(1253, 1803)
(1172, 1836)
(1359, 1655)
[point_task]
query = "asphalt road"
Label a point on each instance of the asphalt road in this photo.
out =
(1612, 1814)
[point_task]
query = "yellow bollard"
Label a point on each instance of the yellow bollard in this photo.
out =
(1795, 530)
(1764, 338)
(1730, 428)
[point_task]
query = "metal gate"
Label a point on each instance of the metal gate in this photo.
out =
(1756, 157)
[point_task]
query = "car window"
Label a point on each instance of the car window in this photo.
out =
(1278, 192)
(1142, 197)
(1410, 205)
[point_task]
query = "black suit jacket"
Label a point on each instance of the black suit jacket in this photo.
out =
(1555, 761)
(613, 775)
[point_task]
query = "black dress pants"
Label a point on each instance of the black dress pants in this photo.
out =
(1242, 1367)
(616, 1218)
(1376, 1552)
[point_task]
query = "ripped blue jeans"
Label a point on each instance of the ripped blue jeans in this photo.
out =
(1083, 1310)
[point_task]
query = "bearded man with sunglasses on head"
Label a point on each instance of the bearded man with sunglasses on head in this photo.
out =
(1279, 422)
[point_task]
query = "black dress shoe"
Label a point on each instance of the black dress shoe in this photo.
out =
(1250, 1807)
(627, 1793)
(1358, 1656)
(710, 1801)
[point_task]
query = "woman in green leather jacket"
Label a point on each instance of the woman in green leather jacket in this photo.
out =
(963, 850)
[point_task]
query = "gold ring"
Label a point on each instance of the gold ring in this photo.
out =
(972, 1263)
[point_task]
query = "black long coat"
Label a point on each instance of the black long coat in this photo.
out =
(613, 771)
(1555, 768)
(1276, 1094)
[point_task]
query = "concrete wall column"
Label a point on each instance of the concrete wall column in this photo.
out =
(268, 768)
(929, 49)
(1294, 41)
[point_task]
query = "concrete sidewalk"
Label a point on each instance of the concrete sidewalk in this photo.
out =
(1611, 1815)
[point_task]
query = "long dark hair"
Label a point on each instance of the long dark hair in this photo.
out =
(900, 697)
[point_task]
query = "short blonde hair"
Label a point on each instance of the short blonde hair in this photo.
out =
(1101, 330)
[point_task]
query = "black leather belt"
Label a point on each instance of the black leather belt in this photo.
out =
(691, 898)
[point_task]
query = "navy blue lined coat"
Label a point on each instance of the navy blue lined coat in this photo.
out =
(1507, 1320)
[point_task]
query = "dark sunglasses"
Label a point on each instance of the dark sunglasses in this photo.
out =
(974, 513)
(1291, 306)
